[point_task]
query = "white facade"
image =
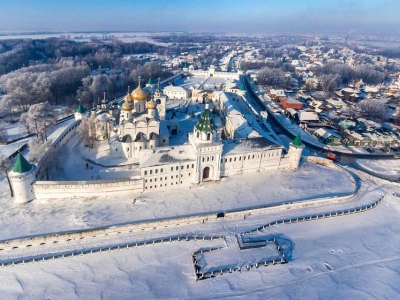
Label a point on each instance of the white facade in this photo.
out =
(176, 92)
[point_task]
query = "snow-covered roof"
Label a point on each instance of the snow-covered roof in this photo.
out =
(247, 145)
(166, 155)
(308, 116)
(326, 133)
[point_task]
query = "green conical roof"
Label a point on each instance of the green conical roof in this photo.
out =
(205, 123)
(80, 109)
(242, 86)
(21, 164)
(297, 141)
(241, 68)
(150, 80)
(185, 65)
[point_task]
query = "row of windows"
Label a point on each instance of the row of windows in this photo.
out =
(165, 178)
(160, 185)
(269, 154)
(207, 158)
(161, 170)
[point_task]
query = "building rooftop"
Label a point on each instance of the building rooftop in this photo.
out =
(247, 145)
(166, 155)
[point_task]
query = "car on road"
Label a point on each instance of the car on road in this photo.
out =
(396, 194)
(396, 156)
(332, 156)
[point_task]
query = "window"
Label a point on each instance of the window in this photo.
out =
(163, 140)
(172, 177)
(155, 186)
(234, 159)
(202, 159)
(187, 167)
(161, 170)
(160, 178)
(176, 177)
(230, 159)
(156, 171)
(151, 172)
(177, 168)
(155, 179)
(165, 177)
(145, 172)
(253, 156)
(208, 158)
(226, 160)
(197, 134)
(146, 180)
(240, 158)
(212, 158)
(192, 166)
(127, 149)
(208, 136)
(182, 167)
(172, 168)
(151, 180)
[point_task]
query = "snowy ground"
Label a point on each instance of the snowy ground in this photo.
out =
(241, 191)
(350, 257)
(14, 131)
(383, 167)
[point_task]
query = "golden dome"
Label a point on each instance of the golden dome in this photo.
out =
(151, 104)
(138, 94)
(127, 106)
(128, 98)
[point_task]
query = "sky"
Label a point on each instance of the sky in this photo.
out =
(376, 17)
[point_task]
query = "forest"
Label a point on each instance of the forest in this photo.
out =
(59, 71)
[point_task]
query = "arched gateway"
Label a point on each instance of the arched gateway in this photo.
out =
(206, 173)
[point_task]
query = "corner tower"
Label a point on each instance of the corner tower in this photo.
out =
(22, 177)
(295, 151)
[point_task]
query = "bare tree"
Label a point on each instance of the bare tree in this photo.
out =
(3, 134)
(37, 148)
(84, 129)
(38, 118)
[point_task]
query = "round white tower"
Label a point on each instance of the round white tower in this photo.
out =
(295, 150)
(22, 177)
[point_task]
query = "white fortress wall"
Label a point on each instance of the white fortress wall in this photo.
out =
(82, 189)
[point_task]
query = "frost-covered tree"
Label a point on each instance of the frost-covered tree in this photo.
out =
(3, 134)
(37, 148)
(38, 118)
(85, 127)
(370, 108)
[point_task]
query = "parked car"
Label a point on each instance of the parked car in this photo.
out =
(395, 149)
(370, 150)
(396, 156)
(332, 156)
(386, 150)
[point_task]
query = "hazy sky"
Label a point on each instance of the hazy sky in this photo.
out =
(253, 16)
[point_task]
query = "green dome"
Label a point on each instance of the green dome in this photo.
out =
(297, 141)
(21, 164)
(205, 123)
(80, 109)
